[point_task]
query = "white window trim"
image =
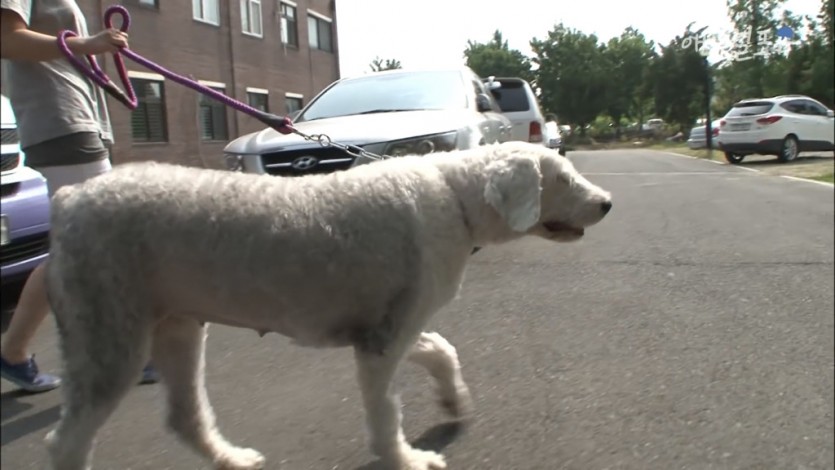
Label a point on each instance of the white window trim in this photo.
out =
(146, 76)
(292, 4)
(294, 95)
(260, 91)
(260, 18)
(212, 84)
(205, 21)
(319, 15)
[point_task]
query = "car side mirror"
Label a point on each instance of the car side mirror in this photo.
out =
(483, 103)
(830, 113)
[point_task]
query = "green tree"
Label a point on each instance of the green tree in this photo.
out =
(572, 75)
(497, 58)
(749, 47)
(378, 64)
(628, 58)
(679, 78)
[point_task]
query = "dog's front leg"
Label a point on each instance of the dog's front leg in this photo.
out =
(382, 408)
(435, 354)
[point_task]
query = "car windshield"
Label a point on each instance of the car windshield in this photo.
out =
(381, 93)
(512, 96)
(752, 108)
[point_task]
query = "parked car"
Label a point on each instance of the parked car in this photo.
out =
(394, 113)
(24, 223)
(782, 126)
(698, 136)
(518, 102)
(553, 136)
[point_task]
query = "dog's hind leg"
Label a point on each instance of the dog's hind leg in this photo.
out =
(178, 353)
(104, 350)
(382, 408)
(435, 354)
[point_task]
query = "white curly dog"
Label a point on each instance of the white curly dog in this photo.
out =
(144, 256)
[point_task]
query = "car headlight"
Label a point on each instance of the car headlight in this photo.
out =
(422, 145)
(234, 162)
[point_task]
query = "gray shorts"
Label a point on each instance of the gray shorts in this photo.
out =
(69, 159)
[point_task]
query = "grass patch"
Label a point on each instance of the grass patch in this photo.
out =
(826, 177)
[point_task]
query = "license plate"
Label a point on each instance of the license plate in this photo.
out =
(740, 127)
(4, 231)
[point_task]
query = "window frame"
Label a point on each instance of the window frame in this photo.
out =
(284, 20)
(246, 21)
(143, 105)
(212, 104)
(153, 5)
(252, 92)
(202, 18)
(293, 96)
(316, 19)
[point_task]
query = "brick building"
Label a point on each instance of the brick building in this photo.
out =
(271, 54)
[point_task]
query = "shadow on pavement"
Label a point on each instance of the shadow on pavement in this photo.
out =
(435, 439)
(13, 429)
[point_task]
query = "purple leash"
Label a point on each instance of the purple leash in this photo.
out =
(280, 123)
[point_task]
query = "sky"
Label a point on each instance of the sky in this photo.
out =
(425, 33)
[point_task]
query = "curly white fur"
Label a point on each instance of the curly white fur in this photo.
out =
(144, 256)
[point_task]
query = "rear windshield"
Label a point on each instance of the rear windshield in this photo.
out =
(512, 97)
(753, 108)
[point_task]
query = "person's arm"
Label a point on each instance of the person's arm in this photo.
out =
(17, 42)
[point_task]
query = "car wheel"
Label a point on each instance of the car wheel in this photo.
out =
(734, 158)
(789, 150)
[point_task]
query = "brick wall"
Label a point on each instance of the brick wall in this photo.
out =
(171, 37)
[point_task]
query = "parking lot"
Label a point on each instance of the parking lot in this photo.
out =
(692, 328)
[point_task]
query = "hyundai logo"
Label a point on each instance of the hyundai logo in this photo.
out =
(304, 163)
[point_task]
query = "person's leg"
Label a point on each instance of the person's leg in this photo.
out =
(16, 364)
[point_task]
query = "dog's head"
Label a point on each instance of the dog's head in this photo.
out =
(536, 191)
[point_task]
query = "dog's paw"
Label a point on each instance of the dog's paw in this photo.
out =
(416, 459)
(239, 458)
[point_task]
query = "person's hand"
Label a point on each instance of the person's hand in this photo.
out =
(108, 40)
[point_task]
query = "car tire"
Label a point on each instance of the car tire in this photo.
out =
(562, 150)
(789, 149)
(734, 158)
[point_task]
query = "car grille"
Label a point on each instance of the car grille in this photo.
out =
(24, 248)
(328, 160)
(9, 161)
(9, 136)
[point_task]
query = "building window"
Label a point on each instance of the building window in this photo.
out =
(207, 11)
(293, 103)
(289, 25)
(258, 99)
(212, 114)
(149, 3)
(148, 123)
(319, 33)
(251, 17)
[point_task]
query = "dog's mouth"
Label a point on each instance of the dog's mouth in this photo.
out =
(561, 228)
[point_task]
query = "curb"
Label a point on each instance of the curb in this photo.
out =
(716, 162)
(807, 180)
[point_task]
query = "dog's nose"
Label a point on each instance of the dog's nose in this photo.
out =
(606, 206)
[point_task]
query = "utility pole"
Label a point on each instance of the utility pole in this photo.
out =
(708, 122)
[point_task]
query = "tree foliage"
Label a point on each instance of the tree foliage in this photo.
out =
(497, 58)
(572, 75)
(580, 79)
(379, 65)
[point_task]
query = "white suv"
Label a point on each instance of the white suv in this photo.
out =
(518, 102)
(782, 126)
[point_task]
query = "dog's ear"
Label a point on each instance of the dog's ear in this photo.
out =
(513, 189)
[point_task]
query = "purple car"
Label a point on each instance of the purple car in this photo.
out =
(25, 213)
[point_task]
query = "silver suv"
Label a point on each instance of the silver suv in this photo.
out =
(518, 102)
(394, 113)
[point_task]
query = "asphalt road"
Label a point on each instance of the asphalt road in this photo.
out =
(692, 329)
